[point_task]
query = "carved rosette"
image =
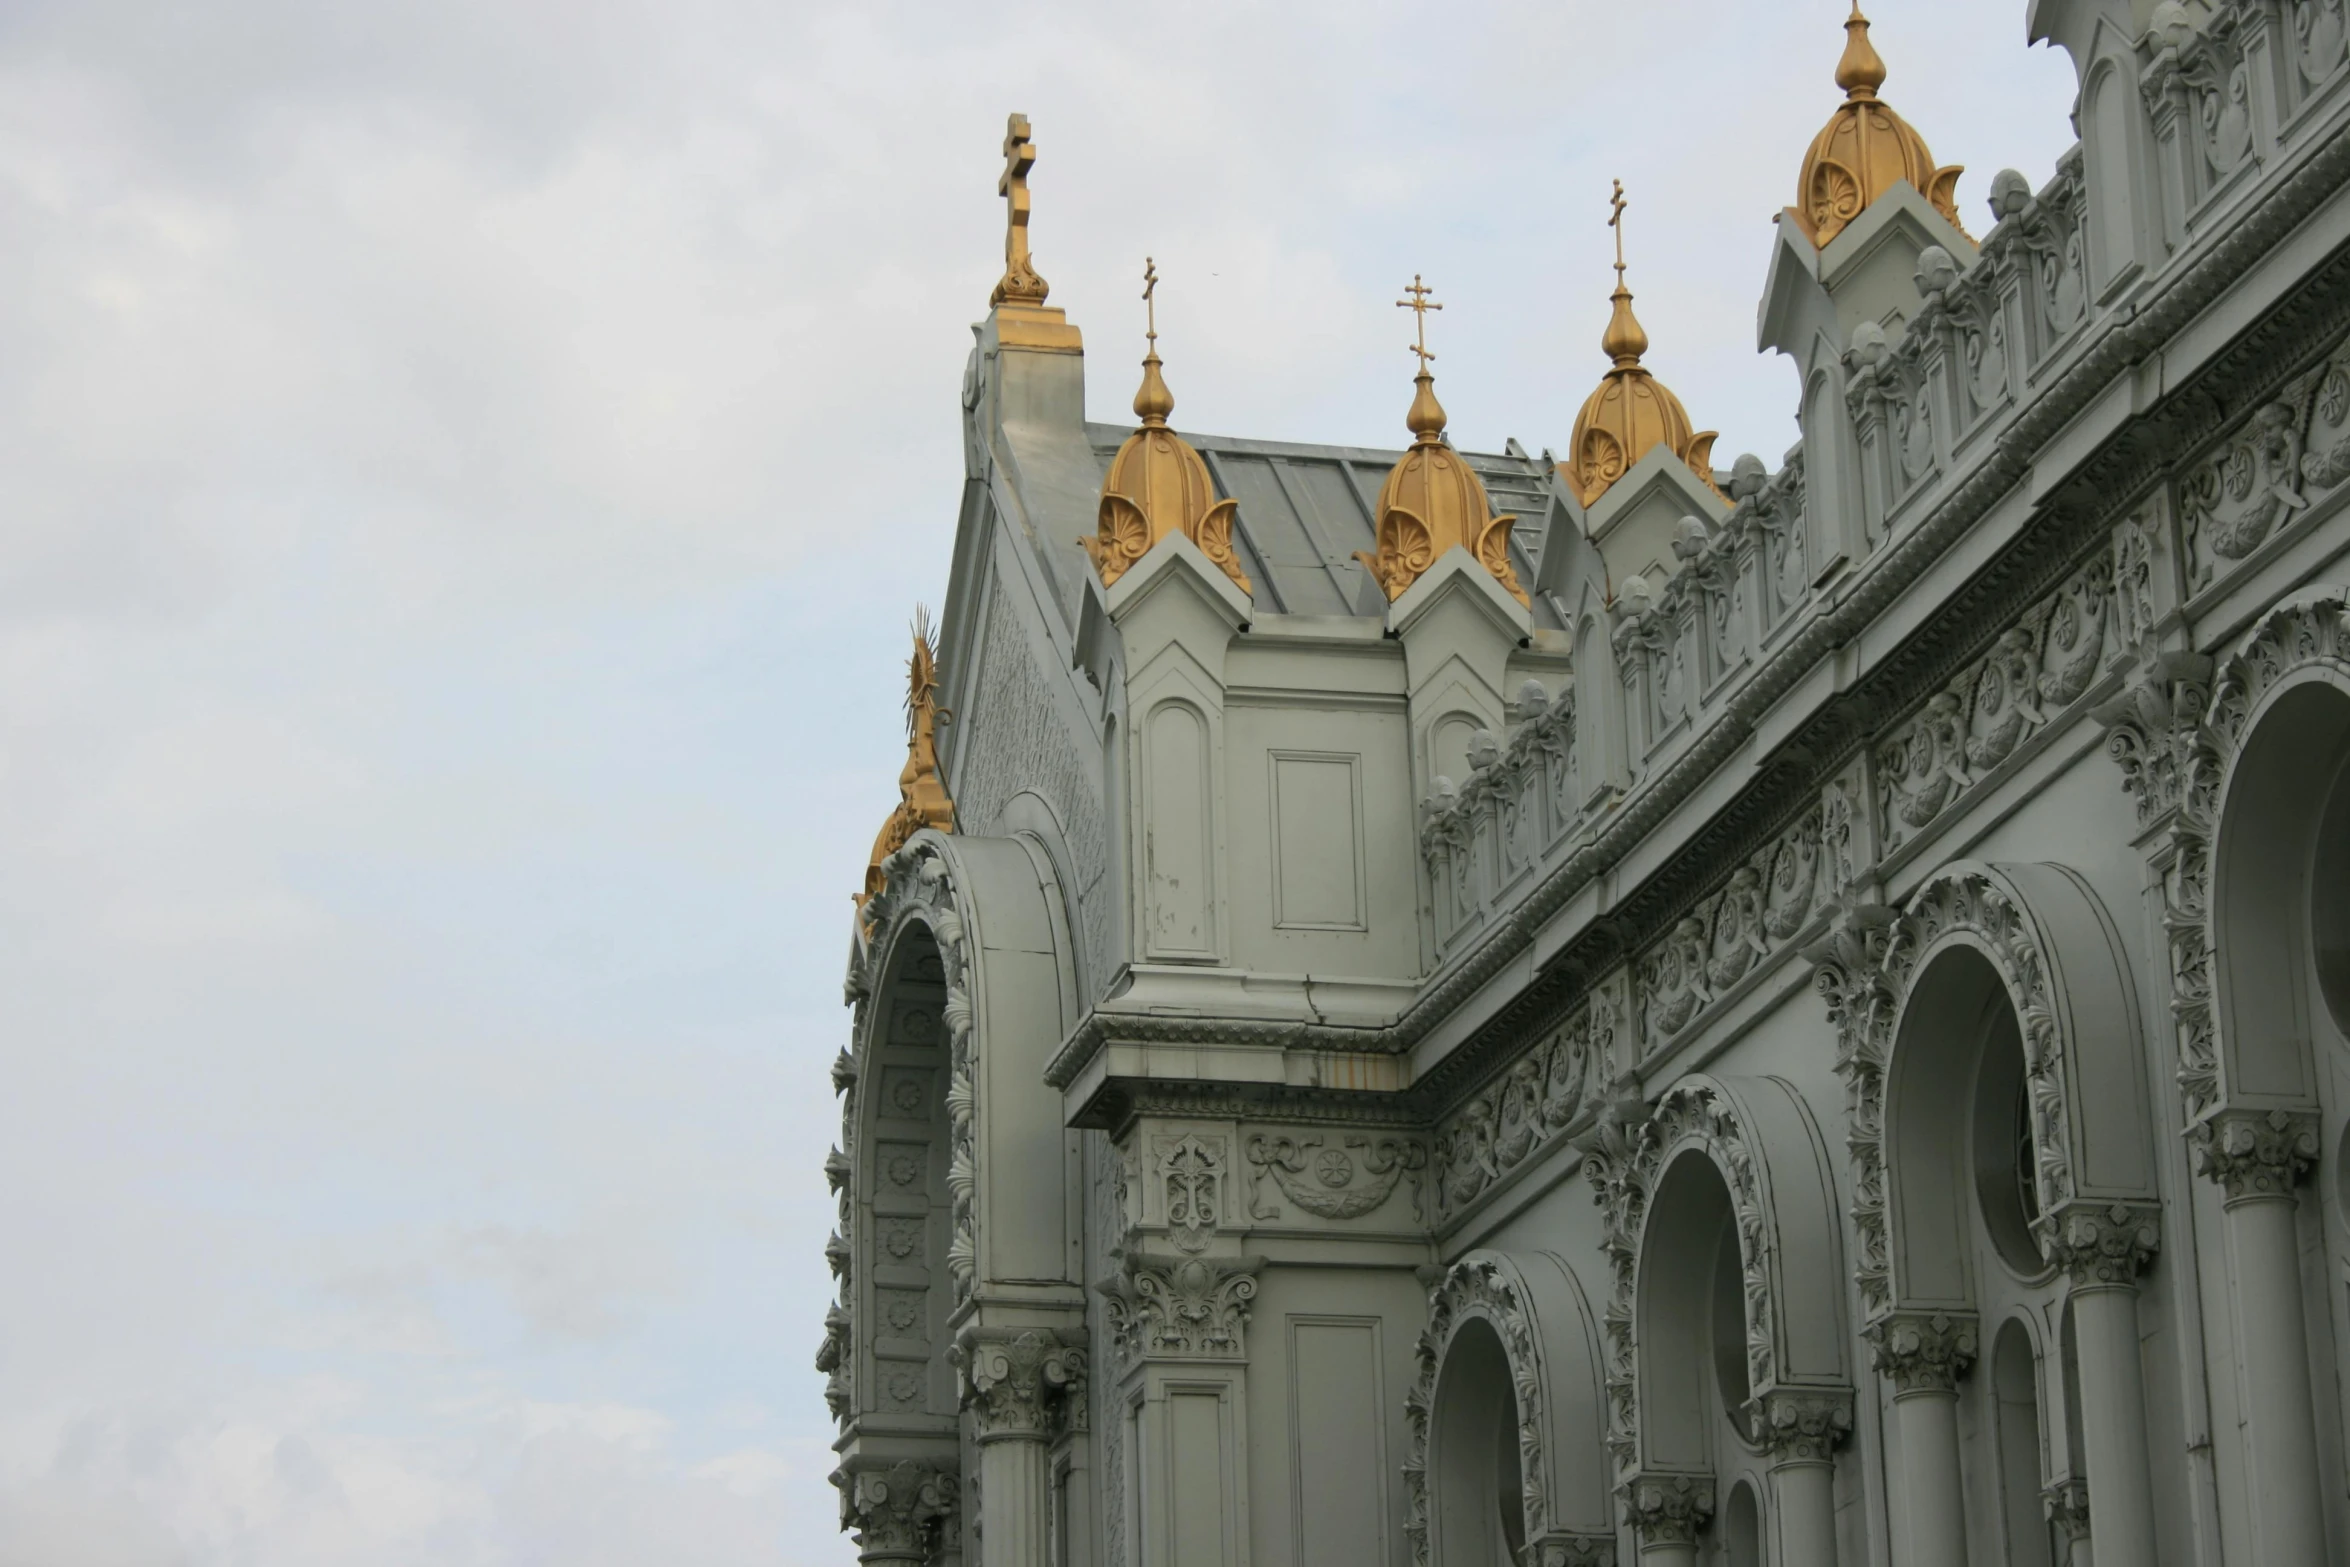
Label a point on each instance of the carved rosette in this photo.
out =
(1181, 1308)
(2107, 1245)
(1864, 969)
(1016, 1386)
(899, 1512)
(1923, 1351)
(1623, 1163)
(1802, 1425)
(2255, 1155)
(1668, 1509)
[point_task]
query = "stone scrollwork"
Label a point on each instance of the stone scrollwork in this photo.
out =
(1669, 1508)
(2253, 1153)
(1342, 1181)
(1018, 1384)
(1767, 901)
(1548, 1093)
(1802, 1425)
(898, 1512)
(1183, 1308)
(2103, 1243)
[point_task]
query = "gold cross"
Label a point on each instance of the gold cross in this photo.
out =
(1150, 286)
(1615, 220)
(1020, 280)
(1419, 306)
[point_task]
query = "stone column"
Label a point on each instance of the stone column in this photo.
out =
(1009, 1382)
(2105, 1249)
(2258, 1159)
(1668, 1511)
(2067, 1504)
(896, 1511)
(1925, 1354)
(1800, 1429)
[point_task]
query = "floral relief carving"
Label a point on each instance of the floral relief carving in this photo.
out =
(1544, 1095)
(1345, 1181)
(1191, 1175)
(1180, 1307)
(2033, 671)
(1488, 1288)
(1768, 900)
(2258, 478)
(1864, 969)
(899, 1511)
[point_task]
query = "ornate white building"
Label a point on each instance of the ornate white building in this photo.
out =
(1435, 1008)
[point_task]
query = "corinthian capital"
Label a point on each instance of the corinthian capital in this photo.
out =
(1923, 1351)
(1802, 1425)
(2256, 1153)
(1669, 1509)
(1011, 1381)
(2103, 1243)
(897, 1510)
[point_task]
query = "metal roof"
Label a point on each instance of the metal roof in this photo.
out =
(1305, 510)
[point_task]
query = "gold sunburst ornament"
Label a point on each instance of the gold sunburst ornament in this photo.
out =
(922, 792)
(1432, 500)
(1157, 484)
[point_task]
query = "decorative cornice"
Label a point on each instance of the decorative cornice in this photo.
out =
(2106, 1245)
(2256, 1154)
(1923, 1351)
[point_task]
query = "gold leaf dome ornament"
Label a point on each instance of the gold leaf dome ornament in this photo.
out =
(922, 792)
(1630, 412)
(1432, 499)
(1157, 484)
(1865, 149)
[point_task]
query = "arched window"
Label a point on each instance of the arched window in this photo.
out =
(1742, 1531)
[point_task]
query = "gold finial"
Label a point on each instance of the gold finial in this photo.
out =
(1860, 73)
(1624, 341)
(1426, 419)
(922, 794)
(1021, 281)
(1152, 401)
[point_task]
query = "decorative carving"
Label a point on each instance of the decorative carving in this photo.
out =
(2034, 670)
(1015, 1385)
(2102, 1243)
(2153, 725)
(1802, 1425)
(1193, 1308)
(1191, 1175)
(2066, 1502)
(1768, 901)
(2202, 68)
(1623, 1162)
(1487, 1288)
(897, 1512)
(1021, 283)
(2252, 1154)
(1865, 968)
(1545, 1095)
(1668, 1508)
(922, 793)
(1322, 1179)
(1922, 1351)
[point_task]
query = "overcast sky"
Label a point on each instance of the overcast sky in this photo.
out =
(465, 470)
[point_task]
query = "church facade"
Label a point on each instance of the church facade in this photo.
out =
(1438, 1009)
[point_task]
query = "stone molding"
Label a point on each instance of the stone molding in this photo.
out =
(1923, 1351)
(1019, 1385)
(1802, 1425)
(1668, 1508)
(1864, 969)
(2256, 1154)
(1180, 1307)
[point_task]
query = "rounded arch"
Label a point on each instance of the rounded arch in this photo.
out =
(1751, 1143)
(964, 982)
(1901, 989)
(1508, 1335)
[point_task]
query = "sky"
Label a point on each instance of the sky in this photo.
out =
(466, 468)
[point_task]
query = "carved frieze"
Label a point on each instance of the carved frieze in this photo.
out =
(2266, 472)
(1331, 1177)
(1767, 902)
(1547, 1093)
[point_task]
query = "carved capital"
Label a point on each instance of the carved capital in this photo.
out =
(2066, 1502)
(1669, 1509)
(2256, 1154)
(1571, 1550)
(1012, 1382)
(897, 1512)
(2153, 725)
(2103, 1243)
(1803, 1425)
(1186, 1308)
(1923, 1351)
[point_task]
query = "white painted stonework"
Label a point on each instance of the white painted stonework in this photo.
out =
(1841, 1058)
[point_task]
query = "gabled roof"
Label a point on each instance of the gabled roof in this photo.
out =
(1305, 510)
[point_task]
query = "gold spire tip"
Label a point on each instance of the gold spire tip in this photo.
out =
(1624, 341)
(1152, 401)
(1426, 419)
(1861, 71)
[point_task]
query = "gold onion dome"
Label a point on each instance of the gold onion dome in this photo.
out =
(1157, 484)
(1433, 500)
(1865, 148)
(1630, 412)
